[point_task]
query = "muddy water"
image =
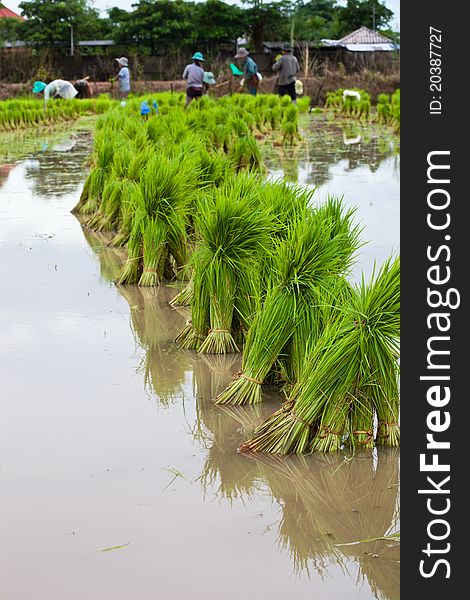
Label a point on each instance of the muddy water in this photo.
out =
(361, 163)
(119, 477)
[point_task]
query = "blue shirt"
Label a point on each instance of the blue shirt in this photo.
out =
(124, 79)
(250, 67)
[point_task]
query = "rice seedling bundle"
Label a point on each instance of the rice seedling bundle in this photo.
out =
(159, 221)
(226, 279)
(246, 154)
(318, 247)
(350, 375)
(90, 198)
(23, 112)
(303, 104)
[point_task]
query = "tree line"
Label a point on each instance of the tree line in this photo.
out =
(157, 26)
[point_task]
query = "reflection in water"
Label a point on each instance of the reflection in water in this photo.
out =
(324, 501)
(327, 501)
(46, 170)
(154, 326)
(327, 143)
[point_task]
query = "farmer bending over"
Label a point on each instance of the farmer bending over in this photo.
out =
(55, 89)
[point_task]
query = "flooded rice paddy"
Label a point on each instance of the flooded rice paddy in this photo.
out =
(119, 476)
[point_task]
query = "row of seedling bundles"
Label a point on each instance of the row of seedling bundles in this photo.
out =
(268, 271)
(20, 113)
(148, 177)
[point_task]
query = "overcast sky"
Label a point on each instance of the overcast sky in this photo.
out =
(102, 5)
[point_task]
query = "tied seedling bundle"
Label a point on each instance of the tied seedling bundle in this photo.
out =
(318, 248)
(350, 378)
(231, 237)
(158, 241)
(101, 165)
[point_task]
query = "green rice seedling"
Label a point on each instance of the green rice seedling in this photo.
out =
(290, 133)
(291, 114)
(154, 241)
(318, 246)
(195, 332)
(245, 154)
(138, 163)
(103, 158)
(127, 210)
(231, 238)
(185, 296)
(273, 101)
(332, 402)
(103, 219)
(132, 269)
(303, 104)
(238, 126)
(165, 188)
(214, 168)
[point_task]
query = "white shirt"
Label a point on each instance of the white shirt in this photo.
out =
(61, 88)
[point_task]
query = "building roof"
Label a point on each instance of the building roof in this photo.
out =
(6, 13)
(363, 35)
(363, 40)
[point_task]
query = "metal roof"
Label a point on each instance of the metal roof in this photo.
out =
(363, 35)
(363, 40)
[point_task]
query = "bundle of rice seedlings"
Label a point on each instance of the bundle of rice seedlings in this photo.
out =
(159, 220)
(246, 154)
(318, 246)
(195, 331)
(129, 192)
(303, 104)
(102, 162)
(333, 400)
(154, 239)
(184, 297)
(290, 133)
(132, 269)
(104, 217)
(232, 236)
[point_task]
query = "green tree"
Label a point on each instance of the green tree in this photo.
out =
(9, 30)
(268, 21)
(155, 24)
(358, 13)
(49, 22)
(314, 19)
(217, 21)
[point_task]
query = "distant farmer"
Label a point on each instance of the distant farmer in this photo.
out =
(194, 75)
(55, 89)
(83, 87)
(123, 77)
(250, 71)
(288, 68)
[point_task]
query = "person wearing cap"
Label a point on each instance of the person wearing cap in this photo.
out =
(124, 77)
(194, 75)
(55, 89)
(209, 81)
(250, 71)
(288, 68)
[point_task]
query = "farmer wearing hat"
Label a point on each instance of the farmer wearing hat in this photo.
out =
(124, 77)
(55, 89)
(250, 71)
(194, 75)
(288, 68)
